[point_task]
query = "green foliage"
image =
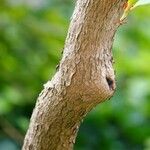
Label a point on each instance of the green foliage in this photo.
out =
(132, 4)
(142, 2)
(31, 40)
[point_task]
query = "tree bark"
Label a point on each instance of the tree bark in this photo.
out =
(85, 77)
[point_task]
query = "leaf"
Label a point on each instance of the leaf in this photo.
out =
(141, 2)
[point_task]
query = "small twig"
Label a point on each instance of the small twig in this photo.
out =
(10, 130)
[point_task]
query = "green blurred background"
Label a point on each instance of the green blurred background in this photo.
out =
(32, 35)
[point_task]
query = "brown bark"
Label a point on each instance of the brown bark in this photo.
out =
(84, 79)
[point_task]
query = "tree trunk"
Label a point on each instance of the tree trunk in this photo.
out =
(85, 77)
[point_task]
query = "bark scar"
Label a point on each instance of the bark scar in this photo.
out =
(110, 82)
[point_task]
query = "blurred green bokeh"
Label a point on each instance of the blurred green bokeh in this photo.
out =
(32, 35)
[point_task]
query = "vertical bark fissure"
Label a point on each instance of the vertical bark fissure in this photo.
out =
(85, 77)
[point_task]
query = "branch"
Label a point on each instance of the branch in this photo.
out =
(84, 79)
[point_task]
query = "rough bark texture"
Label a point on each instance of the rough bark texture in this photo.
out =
(84, 79)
